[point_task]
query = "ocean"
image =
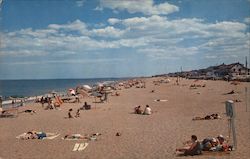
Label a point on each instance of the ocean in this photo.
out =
(28, 88)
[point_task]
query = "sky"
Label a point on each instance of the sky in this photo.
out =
(62, 39)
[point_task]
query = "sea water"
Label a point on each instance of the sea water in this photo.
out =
(28, 88)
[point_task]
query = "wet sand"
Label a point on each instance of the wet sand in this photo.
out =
(153, 136)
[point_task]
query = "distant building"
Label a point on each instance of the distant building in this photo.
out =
(232, 71)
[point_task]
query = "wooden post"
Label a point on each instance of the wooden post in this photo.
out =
(230, 112)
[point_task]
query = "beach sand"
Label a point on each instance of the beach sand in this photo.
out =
(153, 136)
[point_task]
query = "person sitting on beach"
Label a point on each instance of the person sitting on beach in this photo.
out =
(77, 113)
(147, 110)
(138, 110)
(69, 113)
(86, 106)
(193, 148)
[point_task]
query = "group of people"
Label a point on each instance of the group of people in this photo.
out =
(195, 147)
(86, 106)
(77, 115)
(215, 144)
(147, 110)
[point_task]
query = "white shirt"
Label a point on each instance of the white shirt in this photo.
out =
(147, 111)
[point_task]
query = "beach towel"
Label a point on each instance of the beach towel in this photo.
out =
(160, 100)
(49, 136)
(80, 146)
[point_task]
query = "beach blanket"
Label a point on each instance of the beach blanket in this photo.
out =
(160, 100)
(49, 136)
(80, 146)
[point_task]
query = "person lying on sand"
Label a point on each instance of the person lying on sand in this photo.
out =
(29, 111)
(193, 148)
(75, 136)
(232, 92)
(34, 135)
(208, 117)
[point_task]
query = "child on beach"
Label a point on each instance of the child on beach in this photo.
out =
(77, 113)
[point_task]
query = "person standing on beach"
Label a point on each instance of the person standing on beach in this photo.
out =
(13, 102)
(42, 101)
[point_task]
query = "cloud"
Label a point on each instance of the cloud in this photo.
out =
(77, 25)
(66, 61)
(80, 3)
(109, 31)
(140, 6)
(154, 36)
(113, 21)
(247, 20)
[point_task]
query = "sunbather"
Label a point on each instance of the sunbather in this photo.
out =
(208, 117)
(215, 144)
(75, 136)
(29, 111)
(193, 148)
(232, 92)
(33, 135)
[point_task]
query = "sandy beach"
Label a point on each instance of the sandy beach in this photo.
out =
(153, 136)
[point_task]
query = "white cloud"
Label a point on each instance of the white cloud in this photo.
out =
(154, 36)
(113, 21)
(80, 3)
(134, 6)
(247, 20)
(77, 25)
(107, 32)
